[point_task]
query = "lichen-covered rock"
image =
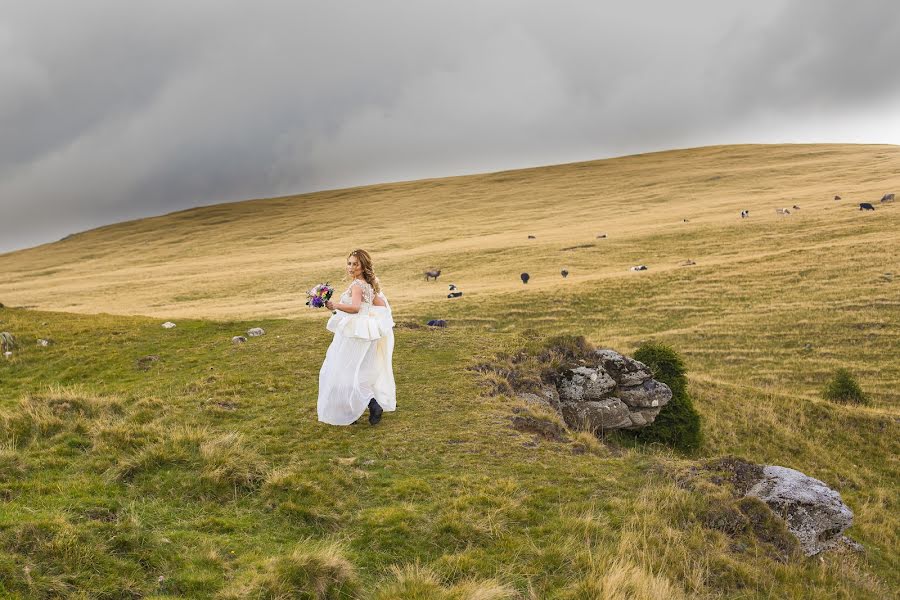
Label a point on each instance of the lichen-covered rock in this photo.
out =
(814, 512)
(650, 394)
(596, 415)
(624, 370)
(583, 384)
(546, 397)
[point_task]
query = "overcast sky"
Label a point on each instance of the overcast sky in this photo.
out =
(117, 109)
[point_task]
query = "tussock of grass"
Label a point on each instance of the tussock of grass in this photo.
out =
(12, 464)
(223, 461)
(586, 442)
(414, 582)
(541, 420)
(618, 579)
(312, 571)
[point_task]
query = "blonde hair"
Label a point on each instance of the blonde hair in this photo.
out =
(368, 269)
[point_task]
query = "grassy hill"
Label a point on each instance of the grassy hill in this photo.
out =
(204, 473)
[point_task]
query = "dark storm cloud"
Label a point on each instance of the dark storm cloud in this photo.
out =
(113, 110)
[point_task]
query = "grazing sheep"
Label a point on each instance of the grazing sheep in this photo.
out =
(837, 197)
(866, 206)
(454, 293)
(688, 263)
(887, 198)
(437, 323)
(685, 221)
(639, 268)
(602, 236)
(564, 273)
(795, 207)
(531, 237)
(745, 214)
(432, 274)
(525, 277)
(782, 212)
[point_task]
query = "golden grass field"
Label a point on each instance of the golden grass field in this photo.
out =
(255, 258)
(772, 306)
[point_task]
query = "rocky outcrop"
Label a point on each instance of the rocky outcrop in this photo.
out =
(616, 393)
(814, 512)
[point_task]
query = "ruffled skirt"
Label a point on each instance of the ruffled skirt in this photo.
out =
(358, 365)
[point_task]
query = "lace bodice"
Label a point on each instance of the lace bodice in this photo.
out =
(368, 292)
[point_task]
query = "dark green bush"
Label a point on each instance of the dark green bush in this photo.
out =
(678, 424)
(843, 388)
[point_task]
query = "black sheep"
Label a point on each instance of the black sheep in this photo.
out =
(525, 277)
(564, 273)
(866, 206)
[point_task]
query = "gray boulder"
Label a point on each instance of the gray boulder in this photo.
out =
(583, 384)
(596, 415)
(256, 332)
(650, 394)
(624, 370)
(814, 512)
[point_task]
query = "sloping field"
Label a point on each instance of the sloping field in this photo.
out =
(255, 258)
(203, 473)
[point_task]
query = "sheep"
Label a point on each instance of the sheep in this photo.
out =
(437, 323)
(887, 198)
(564, 273)
(745, 214)
(602, 236)
(782, 212)
(454, 293)
(837, 197)
(525, 277)
(866, 206)
(795, 207)
(639, 268)
(531, 237)
(432, 273)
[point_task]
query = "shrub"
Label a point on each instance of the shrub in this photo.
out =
(843, 388)
(678, 424)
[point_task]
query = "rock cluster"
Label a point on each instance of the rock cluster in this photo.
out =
(616, 392)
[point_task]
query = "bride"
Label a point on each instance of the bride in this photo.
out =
(357, 372)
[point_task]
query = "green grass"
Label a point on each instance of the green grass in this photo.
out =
(207, 475)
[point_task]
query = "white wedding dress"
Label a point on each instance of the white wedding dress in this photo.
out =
(358, 363)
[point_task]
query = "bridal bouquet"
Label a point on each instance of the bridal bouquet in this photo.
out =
(319, 295)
